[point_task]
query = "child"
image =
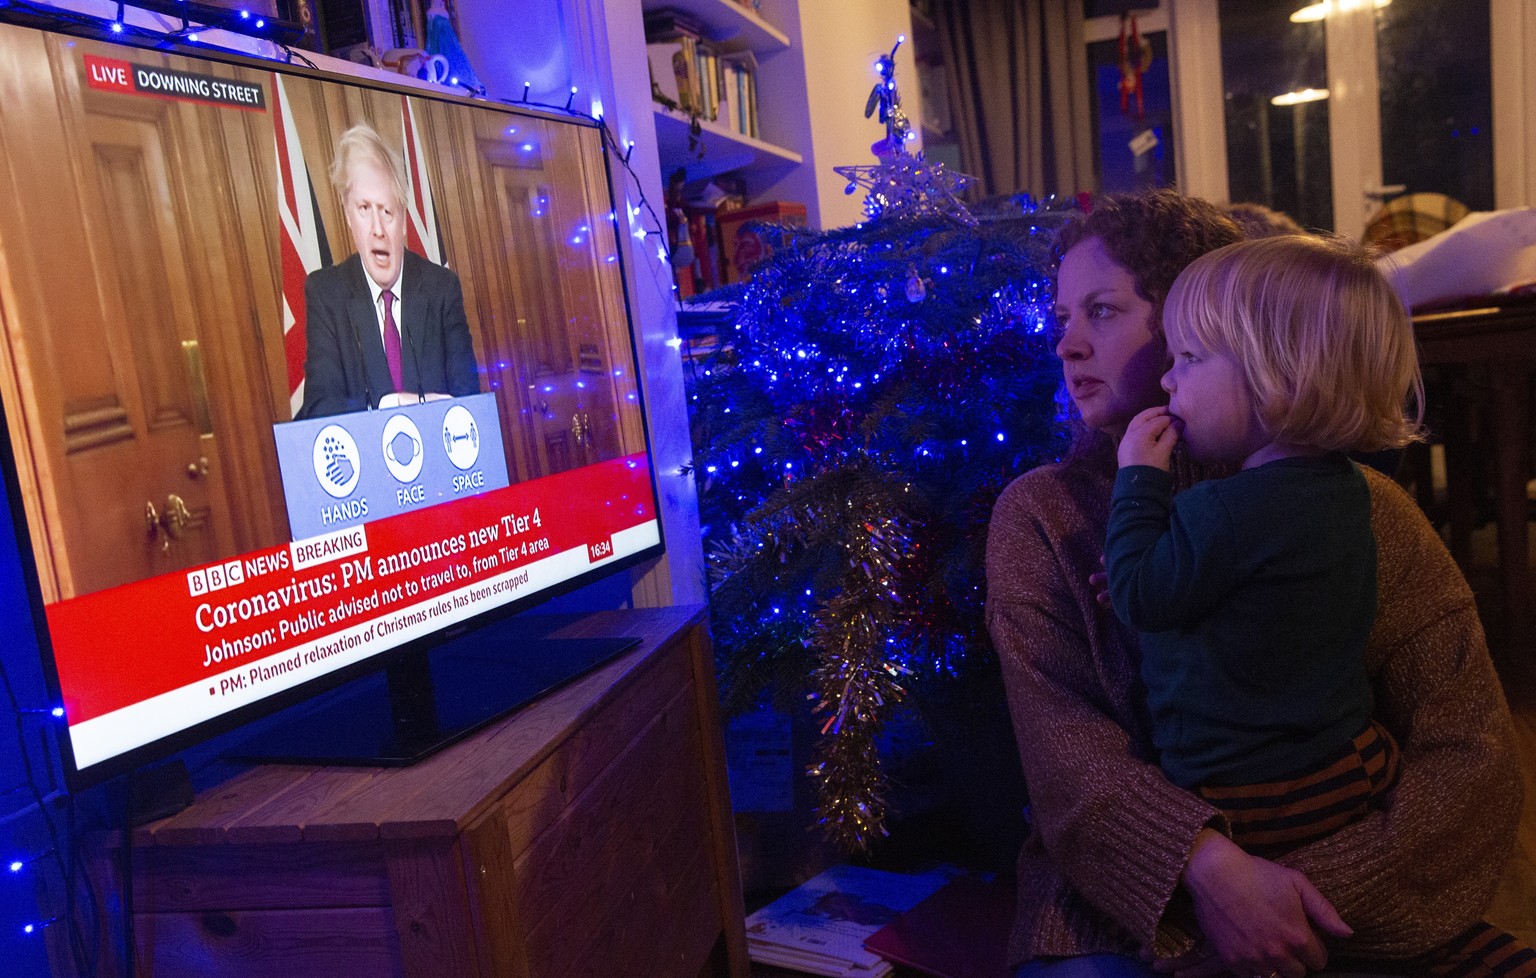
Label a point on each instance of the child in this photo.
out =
(1255, 593)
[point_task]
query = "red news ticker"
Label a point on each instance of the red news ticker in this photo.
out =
(161, 636)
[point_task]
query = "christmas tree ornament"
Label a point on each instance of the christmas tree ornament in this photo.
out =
(901, 185)
(1135, 61)
(443, 41)
(917, 290)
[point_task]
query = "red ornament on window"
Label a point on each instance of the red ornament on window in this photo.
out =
(1135, 60)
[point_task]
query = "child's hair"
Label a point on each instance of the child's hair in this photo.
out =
(1325, 345)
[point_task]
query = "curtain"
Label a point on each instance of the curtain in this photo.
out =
(1017, 72)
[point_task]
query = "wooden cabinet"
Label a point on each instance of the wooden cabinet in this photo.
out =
(588, 834)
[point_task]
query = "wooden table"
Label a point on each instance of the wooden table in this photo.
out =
(1502, 341)
(590, 833)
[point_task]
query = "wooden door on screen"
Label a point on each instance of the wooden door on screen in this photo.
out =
(525, 220)
(134, 288)
(597, 336)
(541, 371)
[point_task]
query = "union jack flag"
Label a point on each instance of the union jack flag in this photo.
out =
(303, 246)
(421, 235)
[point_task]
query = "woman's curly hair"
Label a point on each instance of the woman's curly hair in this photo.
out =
(1154, 234)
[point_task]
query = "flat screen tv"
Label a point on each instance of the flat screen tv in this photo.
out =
(302, 377)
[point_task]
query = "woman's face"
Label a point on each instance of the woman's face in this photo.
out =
(1112, 354)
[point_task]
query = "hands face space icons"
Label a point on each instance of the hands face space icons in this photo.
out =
(338, 462)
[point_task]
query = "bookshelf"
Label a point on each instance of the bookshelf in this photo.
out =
(728, 27)
(814, 69)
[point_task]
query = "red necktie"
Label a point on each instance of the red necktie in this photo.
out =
(392, 340)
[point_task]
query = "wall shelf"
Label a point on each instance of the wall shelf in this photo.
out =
(728, 22)
(725, 150)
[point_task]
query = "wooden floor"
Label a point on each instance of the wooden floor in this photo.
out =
(1514, 908)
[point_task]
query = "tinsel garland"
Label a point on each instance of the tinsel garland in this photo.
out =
(876, 389)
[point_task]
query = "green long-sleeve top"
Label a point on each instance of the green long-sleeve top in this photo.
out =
(1254, 596)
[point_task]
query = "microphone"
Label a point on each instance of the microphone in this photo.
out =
(357, 341)
(421, 387)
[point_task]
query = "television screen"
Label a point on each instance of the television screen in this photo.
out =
(296, 372)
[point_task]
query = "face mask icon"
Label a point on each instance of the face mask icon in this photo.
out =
(401, 448)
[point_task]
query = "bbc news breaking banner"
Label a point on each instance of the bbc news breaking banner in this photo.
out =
(197, 644)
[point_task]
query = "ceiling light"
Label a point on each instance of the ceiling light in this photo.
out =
(1317, 11)
(1300, 96)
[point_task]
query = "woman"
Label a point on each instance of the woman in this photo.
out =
(1119, 861)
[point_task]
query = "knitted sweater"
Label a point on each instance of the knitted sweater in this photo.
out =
(1110, 834)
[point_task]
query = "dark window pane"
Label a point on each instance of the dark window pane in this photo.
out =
(1437, 98)
(1119, 167)
(1108, 8)
(1277, 155)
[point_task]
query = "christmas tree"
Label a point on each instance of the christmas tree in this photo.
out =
(876, 388)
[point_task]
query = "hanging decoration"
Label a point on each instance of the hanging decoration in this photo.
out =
(917, 289)
(1135, 62)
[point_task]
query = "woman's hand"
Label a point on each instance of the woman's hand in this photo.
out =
(1149, 439)
(1259, 918)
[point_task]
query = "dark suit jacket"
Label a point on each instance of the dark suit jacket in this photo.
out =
(345, 369)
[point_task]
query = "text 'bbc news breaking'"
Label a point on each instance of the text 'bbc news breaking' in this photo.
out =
(240, 630)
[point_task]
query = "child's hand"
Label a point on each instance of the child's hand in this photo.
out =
(1150, 439)
(1098, 583)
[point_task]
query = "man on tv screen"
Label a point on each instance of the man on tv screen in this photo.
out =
(386, 327)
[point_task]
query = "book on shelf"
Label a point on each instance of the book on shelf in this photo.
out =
(698, 77)
(677, 54)
(674, 73)
(707, 69)
(739, 76)
(820, 926)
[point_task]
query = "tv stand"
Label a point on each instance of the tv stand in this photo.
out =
(588, 833)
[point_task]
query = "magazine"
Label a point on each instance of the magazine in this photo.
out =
(820, 926)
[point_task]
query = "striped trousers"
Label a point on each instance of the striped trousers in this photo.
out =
(1274, 817)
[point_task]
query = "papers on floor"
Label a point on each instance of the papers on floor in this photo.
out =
(820, 926)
